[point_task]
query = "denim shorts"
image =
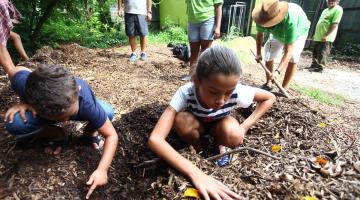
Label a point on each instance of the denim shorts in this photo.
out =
(201, 31)
(32, 124)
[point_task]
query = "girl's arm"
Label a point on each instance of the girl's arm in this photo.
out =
(206, 185)
(265, 100)
(218, 15)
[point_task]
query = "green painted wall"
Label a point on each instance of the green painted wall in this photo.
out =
(173, 11)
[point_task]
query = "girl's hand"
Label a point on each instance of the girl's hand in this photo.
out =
(211, 188)
(242, 131)
(97, 178)
(217, 33)
(22, 108)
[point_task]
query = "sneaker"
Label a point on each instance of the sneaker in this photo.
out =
(266, 87)
(186, 78)
(132, 57)
(143, 56)
(225, 160)
(315, 69)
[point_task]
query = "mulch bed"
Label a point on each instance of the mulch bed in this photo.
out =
(140, 91)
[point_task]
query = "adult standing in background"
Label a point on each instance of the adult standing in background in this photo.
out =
(204, 25)
(9, 15)
(137, 13)
(325, 34)
(288, 26)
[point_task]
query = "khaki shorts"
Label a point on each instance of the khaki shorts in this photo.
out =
(274, 49)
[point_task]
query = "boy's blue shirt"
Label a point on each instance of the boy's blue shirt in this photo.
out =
(89, 108)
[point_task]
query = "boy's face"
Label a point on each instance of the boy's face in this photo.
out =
(332, 3)
(74, 108)
(215, 91)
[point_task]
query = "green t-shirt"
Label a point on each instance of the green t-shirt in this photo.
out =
(328, 17)
(201, 10)
(294, 25)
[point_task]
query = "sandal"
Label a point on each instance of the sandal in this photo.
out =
(266, 87)
(224, 160)
(90, 140)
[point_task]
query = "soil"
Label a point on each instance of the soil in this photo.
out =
(139, 92)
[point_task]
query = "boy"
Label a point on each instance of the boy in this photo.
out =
(289, 27)
(50, 94)
(136, 14)
(325, 34)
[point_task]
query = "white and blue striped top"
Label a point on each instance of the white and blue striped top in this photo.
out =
(185, 99)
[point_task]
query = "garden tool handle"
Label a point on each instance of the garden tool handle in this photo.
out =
(274, 80)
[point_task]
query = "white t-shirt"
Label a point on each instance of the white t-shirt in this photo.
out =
(135, 7)
(185, 99)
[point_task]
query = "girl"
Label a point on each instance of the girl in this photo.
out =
(203, 107)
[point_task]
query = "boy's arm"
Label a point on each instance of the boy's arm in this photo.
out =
(99, 176)
(206, 185)
(265, 100)
(218, 15)
(259, 41)
(149, 11)
(119, 8)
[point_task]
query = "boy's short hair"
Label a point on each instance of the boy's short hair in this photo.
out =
(218, 60)
(51, 90)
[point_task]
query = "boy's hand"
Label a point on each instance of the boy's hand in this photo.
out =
(149, 16)
(120, 12)
(258, 58)
(211, 188)
(97, 178)
(22, 108)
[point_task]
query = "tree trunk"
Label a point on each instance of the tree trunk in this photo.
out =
(48, 11)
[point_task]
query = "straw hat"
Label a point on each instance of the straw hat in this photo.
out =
(270, 13)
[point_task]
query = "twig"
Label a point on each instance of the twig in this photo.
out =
(354, 140)
(148, 162)
(242, 149)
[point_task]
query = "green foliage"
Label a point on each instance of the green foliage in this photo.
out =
(319, 95)
(234, 32)
(350, 50)
(90, 33)
(169, 33)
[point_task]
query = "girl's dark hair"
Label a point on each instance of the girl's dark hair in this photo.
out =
(215, 60)
(51, 90)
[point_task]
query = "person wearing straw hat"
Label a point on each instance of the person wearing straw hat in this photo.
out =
(288, 26)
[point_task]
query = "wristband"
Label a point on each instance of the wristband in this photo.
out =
(278, 71)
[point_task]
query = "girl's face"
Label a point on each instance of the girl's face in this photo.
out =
(216, 90)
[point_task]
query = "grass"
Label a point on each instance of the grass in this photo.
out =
(319, 95)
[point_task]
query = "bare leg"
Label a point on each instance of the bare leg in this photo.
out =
(18, 45)
(290, 71)
(269, 65)
(5, 59)
(189, 129)
(195, 49)
(132, 41)
(142, 43)
(205, 44)
(227, 132)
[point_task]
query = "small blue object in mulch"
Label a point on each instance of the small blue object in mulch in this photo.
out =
(224, 160)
